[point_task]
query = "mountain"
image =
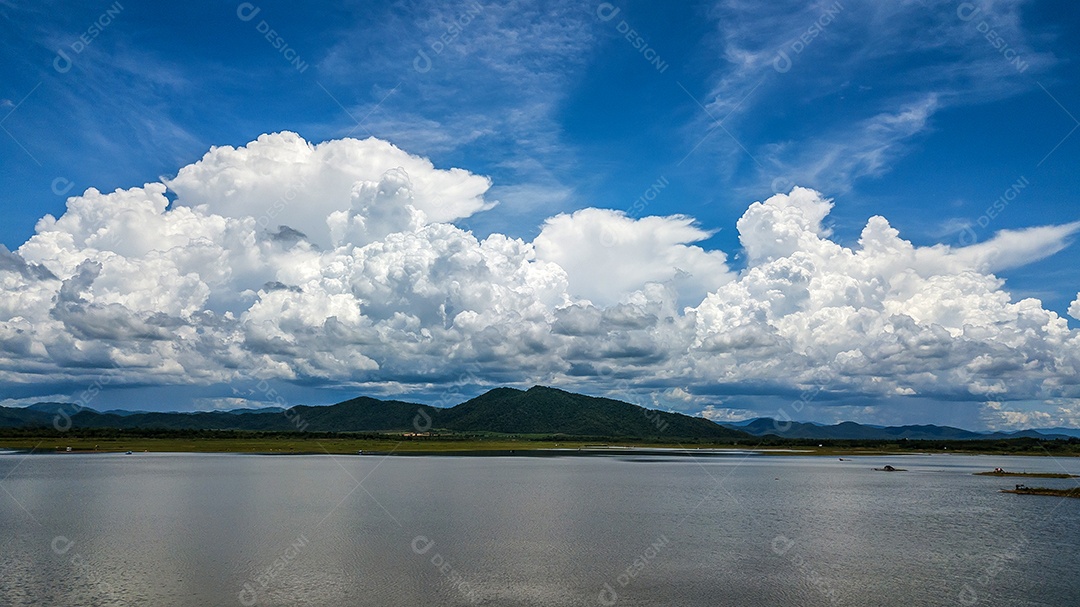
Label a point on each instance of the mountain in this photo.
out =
(213, 420)
(763, 426)
(542, 410)
(255, 410)
(20, 417)
(538, 410)
(1074, 432)
(357, 415)
(127, 412)
(54, 408)
(364, 415)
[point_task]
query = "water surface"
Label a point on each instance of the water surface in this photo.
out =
(636, 530)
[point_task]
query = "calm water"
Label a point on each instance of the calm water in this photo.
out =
(196, 530)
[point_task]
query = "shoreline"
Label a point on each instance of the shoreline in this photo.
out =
(464, 447)
(500, 451)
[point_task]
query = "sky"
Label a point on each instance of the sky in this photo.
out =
(817, 211)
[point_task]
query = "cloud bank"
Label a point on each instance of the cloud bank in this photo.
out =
(339, 265)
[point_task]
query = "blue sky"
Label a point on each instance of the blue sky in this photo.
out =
(926, 113)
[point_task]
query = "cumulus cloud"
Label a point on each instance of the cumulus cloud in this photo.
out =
(1054, 413)
(886, 318)
(724, 414)
(354, 278)
(13, 263)
(608, 256)
(228, 403)
(377, 210)
(281, 179)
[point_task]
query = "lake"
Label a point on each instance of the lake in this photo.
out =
(634, 530)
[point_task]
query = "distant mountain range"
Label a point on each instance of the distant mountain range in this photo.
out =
(539, 410)
(763, 426)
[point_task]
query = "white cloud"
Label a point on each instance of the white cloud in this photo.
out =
(499, 83)
(229, 403)
(725, 414)
(1065, 413)
(885, 318)
(280, 179)
(127, 287)
(1074, 307)
(378, 209)
(785, 224)
(44, 398)
(608, 255)
(1014, 248)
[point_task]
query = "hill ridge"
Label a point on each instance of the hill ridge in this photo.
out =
(849, 430)
(538, 410)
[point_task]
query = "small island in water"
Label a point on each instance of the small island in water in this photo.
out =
(1024, 490)
(1001, 472)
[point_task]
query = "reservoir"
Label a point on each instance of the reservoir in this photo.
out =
(629, 529)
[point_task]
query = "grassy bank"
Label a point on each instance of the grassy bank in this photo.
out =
(244, 441)
(270, 445)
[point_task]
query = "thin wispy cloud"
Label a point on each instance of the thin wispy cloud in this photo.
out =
(891, 66)
(476, 79)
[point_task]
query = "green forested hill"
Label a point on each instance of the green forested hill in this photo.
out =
(542, 410)
(538, 410)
